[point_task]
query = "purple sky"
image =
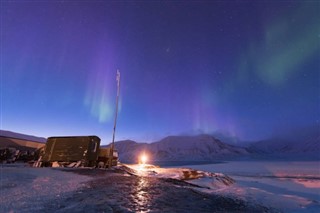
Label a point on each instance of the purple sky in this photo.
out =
(242, 68)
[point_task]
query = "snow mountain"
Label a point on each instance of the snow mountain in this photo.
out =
(304, 140)
(179, 148)
(9, 134)
(278, 145)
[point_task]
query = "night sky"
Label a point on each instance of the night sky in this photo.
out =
(247, 69)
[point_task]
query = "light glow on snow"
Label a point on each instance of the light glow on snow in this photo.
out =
(143, 158)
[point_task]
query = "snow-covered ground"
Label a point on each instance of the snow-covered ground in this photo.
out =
(126, 188)
(26, 189)
(288, 186)
(225, 187)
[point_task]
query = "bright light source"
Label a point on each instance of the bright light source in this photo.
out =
(143, 158)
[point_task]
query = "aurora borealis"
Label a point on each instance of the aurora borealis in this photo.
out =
(243, 68)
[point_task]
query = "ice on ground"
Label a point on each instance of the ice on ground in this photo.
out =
(120, 189)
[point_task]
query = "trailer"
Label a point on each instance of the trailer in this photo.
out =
(74, 151)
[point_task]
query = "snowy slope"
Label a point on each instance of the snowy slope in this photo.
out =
(179, 148)
(20, 141)
(201, 147)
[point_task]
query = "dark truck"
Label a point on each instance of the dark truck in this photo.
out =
(104, 157)
(73, 151)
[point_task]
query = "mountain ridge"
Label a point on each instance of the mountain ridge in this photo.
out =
(204, 147)
(179, 148)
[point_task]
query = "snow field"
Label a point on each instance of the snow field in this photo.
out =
(290, 186)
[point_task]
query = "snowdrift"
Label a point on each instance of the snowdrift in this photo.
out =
(199, 179)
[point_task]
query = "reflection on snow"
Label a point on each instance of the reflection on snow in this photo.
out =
(139, 193)
(308, 183)
(301, 200)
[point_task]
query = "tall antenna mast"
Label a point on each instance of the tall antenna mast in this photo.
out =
(115, 118)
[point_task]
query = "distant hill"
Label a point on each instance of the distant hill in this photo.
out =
(179, 148)
(301, 142)
(20, 141)
(279, 145)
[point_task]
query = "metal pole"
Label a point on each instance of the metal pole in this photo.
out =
(115, 118)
